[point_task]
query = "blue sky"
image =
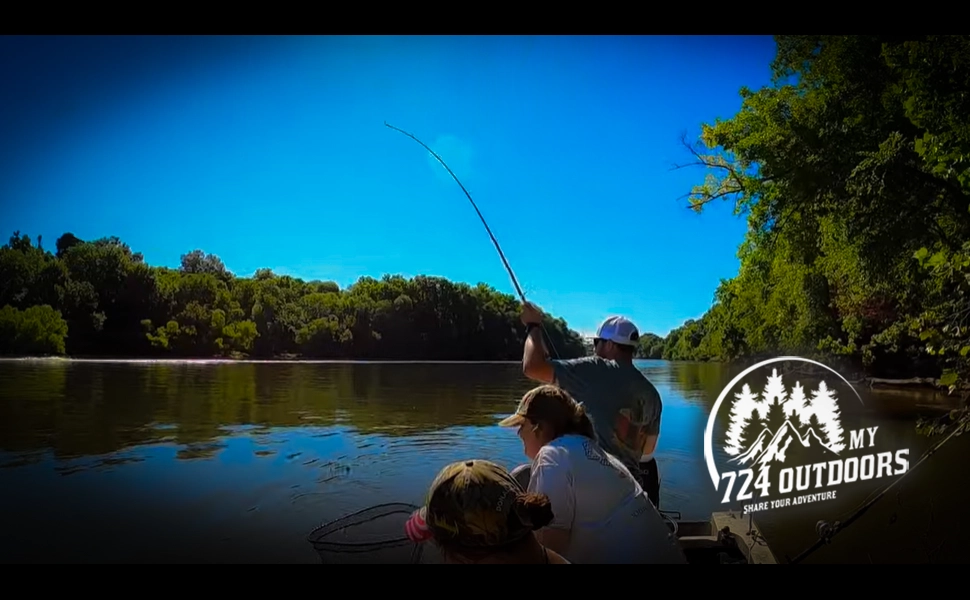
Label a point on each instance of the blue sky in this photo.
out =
(272, 152)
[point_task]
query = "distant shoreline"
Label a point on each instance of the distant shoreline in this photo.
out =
(281, 360)
(106, 359)
(915, 383)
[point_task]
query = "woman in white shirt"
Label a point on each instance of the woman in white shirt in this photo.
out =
(602, 514)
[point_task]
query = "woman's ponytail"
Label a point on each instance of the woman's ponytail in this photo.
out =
(555, 410)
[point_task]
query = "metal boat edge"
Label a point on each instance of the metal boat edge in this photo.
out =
(726, 538)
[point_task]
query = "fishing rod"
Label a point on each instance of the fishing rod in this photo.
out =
(488, 229)
(826, 530)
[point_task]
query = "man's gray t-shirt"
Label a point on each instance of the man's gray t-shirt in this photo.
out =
(621, 402)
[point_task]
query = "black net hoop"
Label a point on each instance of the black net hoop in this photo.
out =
(323, 542)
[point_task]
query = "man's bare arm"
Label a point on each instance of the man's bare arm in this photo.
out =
(535, 360)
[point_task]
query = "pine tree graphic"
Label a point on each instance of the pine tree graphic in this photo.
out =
(796, 407)
(753, 425)
(776, 417)
(812, 424)
(764, 430)
(775, 389)
(825, 407)
(740, 411)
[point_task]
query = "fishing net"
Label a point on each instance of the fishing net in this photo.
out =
(372, 535)
(376, 535)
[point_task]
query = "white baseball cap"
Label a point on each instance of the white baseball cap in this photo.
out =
(619, 330)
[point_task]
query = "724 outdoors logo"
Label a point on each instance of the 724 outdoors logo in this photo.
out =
(786, 446)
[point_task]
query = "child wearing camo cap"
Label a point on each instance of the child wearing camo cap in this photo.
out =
(477, 512)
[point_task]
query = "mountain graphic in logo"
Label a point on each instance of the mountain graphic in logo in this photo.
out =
(778, 425)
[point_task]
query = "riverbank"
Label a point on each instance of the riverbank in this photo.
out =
(907, 379)
(224, 360)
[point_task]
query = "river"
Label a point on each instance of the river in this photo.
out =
(207, 461)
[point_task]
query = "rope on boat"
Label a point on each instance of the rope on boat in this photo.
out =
(827, 530)
(673, 517)
(318, 537)
(501, 254)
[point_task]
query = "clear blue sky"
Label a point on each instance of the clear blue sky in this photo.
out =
(272, 152)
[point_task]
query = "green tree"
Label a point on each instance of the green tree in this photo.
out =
(651, 346)
(36, 331)
(852, 169)
(113, 303)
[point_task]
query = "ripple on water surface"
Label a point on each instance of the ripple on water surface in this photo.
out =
(216, 461)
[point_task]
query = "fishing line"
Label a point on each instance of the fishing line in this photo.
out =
(321, 538)
(488, 229)
(826, 531)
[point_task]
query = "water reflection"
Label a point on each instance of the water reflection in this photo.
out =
(236, 462)
(78, 409)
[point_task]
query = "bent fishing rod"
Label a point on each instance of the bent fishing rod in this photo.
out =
(488, 229)
(827, 530)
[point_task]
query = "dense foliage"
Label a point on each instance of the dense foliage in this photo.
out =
(651, 346)
(853, 170)
(100, 298)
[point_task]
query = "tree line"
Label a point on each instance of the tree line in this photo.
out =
(852, 169)
(99, 298)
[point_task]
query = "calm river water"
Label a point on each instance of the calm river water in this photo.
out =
(198, 461)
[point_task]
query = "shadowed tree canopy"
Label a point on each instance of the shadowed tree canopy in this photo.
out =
(65, 242)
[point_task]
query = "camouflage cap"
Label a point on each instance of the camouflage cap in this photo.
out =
(471, 504)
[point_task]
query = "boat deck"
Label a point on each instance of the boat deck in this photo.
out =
(727, 538)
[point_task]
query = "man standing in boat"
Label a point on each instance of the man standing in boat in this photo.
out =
(622, 403)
